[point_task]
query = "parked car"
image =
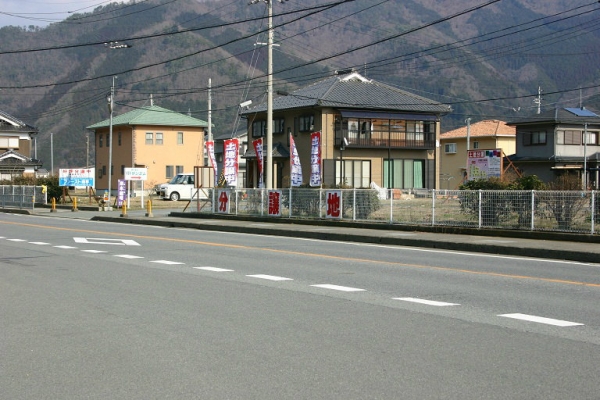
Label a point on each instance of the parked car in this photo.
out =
(181, 187)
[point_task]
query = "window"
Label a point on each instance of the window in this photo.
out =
(475, 145)
(122, 169)
(179, 169)
(592, 138)
(354, 173)
(120, 137)
(278, 125)
(104, 170)
(107, 139)
(169, 171)
(179, 137)
(100, 140)
(149, 138)
(404, 173)
(450, 148)
(258, 128)
(306, 123)
(535, 138)
(159, 138)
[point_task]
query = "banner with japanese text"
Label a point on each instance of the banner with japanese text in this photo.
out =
(274, 209)
(223, 205)
(315, 159)
(295, 167)
(484, 164)
(76, 177)
(230, 167)
(210, 150)
(333, 204)
(258, 149)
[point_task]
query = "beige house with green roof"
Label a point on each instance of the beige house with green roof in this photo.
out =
(163, 141)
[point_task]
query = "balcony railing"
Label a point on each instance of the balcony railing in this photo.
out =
(386, 139)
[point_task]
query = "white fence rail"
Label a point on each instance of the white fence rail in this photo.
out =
(559, 211)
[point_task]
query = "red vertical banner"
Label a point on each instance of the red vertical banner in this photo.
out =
(274, 201)
(258, 149)
(315, 159)
(334, 204)
(231, 149)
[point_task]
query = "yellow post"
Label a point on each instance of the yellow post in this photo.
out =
(149, 208)
(74, 204)
(124, 209)
(53, 209)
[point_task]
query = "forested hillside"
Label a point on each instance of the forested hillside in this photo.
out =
(484, 58)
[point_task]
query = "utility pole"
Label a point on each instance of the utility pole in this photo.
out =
(538, 100)
(269, 145)
(51, 154)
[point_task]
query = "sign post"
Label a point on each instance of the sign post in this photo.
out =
(136, 174)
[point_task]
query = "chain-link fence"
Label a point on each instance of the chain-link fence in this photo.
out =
(23, 197)
(562, 211)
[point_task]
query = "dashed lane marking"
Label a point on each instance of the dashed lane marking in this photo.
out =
(340, 288)
(129, 256)
(541, 320)
(270, 277)
(167, 262)
(426, 302)
(214, 269)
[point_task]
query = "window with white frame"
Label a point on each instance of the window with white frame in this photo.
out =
(159, 138)
(169, 172)
(179, 137)
(149, 138)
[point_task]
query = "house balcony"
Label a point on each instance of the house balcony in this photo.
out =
(386, 139)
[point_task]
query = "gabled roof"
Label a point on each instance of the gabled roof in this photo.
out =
(557, 116)
(14, 157)
(486, 128)
(353, 91)
(152, 115)
(8, 123)
(279, 150)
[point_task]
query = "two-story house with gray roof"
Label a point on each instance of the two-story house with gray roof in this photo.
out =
(370, 132)
(559, 141)
(16, 148)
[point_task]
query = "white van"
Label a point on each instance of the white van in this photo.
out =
(181, 187)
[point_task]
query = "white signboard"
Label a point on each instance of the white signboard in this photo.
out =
(76, 177)
(136, 174)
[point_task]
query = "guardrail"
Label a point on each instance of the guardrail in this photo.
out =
(557, 211)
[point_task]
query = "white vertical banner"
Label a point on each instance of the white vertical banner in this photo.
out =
(295, 167)
(210, 149)
(230, 168)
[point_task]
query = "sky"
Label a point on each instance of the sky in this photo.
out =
(42, 12)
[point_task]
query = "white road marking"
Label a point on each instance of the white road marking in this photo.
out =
(118, 242)
(426, 302)
(270, 277)
(214, 269)
(167, 262)
(94, 251)
(65, 247)
(541, 320)
(40, 243)
(340, 288)
(16, 240)
(127, 256)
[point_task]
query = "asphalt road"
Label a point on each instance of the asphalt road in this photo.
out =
(97, 310)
